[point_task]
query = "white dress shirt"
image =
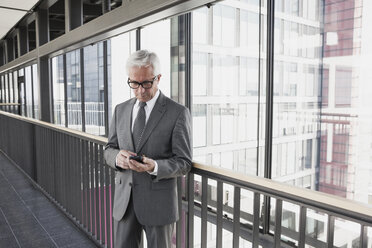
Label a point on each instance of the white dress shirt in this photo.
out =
(148, 108)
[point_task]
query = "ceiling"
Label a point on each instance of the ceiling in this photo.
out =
(11, 12)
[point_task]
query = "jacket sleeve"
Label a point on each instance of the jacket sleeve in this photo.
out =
(112, 146)
(180, 163)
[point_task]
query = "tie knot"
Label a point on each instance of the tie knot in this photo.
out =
(142, 104)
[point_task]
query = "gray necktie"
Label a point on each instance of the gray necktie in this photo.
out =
(139, 125)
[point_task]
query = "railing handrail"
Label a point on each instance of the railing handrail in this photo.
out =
(76, 133)
(9, 104)
(315, 199)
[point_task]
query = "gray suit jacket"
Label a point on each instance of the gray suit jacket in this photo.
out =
(166, 139)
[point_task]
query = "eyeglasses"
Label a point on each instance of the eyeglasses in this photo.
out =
(144, 84)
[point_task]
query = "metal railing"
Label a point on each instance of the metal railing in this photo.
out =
(9, 104)
(307, 205)
(94, 113)
(68, 166)
(220, 208)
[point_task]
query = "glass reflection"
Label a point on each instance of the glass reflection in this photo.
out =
(226, 85)
(161, 46)
(119, 49)
(36, 89)
(28, 84)
(58, 91)
(73, 90)
(94, 89)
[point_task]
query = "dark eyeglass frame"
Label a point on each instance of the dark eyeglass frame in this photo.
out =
(142, 83)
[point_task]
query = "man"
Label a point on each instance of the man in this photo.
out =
(155, 127)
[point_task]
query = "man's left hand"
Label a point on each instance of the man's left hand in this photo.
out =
(147, 165)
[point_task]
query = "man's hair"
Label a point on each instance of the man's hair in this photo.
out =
(144, 58)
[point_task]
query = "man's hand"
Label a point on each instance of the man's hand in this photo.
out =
(122, 159)
(147, 165)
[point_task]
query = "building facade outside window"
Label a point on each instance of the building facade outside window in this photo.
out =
(321, 124)
(94, 89)
(59, 110)
(73, 80)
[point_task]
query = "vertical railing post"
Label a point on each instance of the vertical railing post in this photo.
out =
(269, 107)
(236, 227)
(219, 214)
(363, 236)
(302, 234)
(180, 222)
(256, 220)
(278, 222)
(204, 212)
(330, 230)
(190, 212)
(91, 189)
(107, 208)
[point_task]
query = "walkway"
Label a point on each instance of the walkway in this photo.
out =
(28, 218)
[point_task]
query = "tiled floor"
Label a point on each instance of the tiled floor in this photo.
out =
(28, 218)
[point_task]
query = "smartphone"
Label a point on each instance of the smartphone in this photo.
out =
(137, 158)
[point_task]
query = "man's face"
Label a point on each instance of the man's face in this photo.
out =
(141, 74)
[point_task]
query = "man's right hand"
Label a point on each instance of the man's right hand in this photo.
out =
(122, 159)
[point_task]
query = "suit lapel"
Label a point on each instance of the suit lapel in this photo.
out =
(155, 116)
(128, 122)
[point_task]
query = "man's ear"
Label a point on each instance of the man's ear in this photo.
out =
(159, 76)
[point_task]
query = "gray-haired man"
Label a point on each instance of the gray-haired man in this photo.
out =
(155, 126)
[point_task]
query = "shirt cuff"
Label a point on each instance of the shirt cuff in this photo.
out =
(116, 163)
(155, 172)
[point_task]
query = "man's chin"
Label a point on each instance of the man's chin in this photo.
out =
(142, 99)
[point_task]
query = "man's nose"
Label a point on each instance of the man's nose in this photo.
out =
(142, 90)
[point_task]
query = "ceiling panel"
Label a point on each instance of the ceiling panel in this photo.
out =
(9, 18)
(18, 4)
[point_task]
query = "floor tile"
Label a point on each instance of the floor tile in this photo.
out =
(28, 219)
(8, 242)
(40, 243)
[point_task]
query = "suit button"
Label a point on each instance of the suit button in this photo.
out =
(130, 184)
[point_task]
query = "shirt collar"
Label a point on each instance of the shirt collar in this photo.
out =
(150, 104)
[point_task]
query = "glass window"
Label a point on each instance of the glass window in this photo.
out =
(248, 81)
(225, 85)
(325, 87)
(11, 92)
(35, 82)
(3, 94)
(249, 24)
(28, 84)
(9, 96)
(21, 88)
(293, 77)
(320, 91)
(224, 25)
(161, 45)
(6, 92)
(278, 37)
(2, 90)
(200, 26)
(200, 73)
(58, 91)
(199, 122)
(343, 87)
(120, 47)
(224, 72)
(94, 89)
(74, 115)
(16, 96)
